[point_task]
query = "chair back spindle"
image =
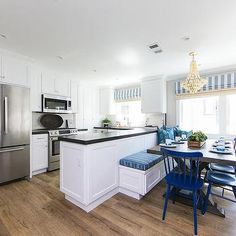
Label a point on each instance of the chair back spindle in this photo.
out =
(187, 164)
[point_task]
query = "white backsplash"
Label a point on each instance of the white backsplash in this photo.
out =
(154, 119)
(36, 120)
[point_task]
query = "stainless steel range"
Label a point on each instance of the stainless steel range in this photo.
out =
(54, 146)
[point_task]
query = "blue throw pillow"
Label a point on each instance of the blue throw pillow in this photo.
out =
(170, 133)
(161, 136)
(179, 132)
(187, 133)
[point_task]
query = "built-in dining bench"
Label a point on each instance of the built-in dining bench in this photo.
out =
(139, 173)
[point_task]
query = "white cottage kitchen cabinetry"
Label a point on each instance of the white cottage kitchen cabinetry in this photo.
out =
(153, 95)
(13, 70)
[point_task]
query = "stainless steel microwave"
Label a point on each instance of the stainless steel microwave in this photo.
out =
(56, 104)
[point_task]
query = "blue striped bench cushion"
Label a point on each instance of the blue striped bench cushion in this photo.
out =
(141, 160)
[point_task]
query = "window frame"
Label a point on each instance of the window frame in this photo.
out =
(223, 111)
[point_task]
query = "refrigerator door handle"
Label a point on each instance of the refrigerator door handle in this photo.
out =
(12, 149)
(5, 115)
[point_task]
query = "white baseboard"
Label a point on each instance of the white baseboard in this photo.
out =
(94, 204)
(130, 193)
(39, 172)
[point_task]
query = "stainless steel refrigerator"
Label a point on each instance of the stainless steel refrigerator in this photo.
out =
(15, 133)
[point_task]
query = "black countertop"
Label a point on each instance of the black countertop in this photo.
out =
(112, 128)
(97, 137)
(45, 131)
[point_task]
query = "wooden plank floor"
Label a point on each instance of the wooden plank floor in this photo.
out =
(38, 208)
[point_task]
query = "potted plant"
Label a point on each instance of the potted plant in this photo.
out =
(106, 122)
(197, 140)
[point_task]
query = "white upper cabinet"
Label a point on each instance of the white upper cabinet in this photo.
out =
(74, 97)
(14, 71)
(48, 82)
(153, 95)
(35, 91)
(106, 101)
(62, 86)
(55, 84)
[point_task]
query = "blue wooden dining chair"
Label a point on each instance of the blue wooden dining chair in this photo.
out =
(222, 180)
(183, 176)
(223, 168)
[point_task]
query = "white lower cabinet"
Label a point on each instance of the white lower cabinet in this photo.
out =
(39, 153)
(102, 161)
(136, 183)
(89, 174)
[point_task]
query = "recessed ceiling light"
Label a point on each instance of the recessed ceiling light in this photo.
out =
(186, 38)
(3, 36)
(60, 57)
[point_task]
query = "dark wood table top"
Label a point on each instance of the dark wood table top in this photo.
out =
(209, 157)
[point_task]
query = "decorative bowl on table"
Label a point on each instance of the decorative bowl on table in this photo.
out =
(197, 140)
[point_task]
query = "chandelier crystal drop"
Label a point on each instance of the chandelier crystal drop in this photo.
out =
(193, 83)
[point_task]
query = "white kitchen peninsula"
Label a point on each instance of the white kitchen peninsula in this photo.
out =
(90, 163)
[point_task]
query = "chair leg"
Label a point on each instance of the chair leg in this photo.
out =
(195, 211)
(173, 195)
(166, 202)
(206, 199)
(234, 190)
(202, 200)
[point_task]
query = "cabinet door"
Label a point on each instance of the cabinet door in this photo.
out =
(48, 82)
(103, 170)
(88, 108)
(1, 69)
(74, 97)
(35, 89)
(106, 101)
(80, 114)
(153, 96)
(14, 71)
(40, 156)
(62, 86)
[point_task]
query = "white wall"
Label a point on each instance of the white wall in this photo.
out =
(171, 103)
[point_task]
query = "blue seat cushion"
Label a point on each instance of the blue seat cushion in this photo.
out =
(181, 182)
(220, 178)
(222, 168)
(141, 160)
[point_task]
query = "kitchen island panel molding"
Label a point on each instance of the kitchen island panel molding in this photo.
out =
(90, 173)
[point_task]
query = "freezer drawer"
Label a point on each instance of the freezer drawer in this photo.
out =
(14, 163)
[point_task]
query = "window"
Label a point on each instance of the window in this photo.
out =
(214, 115)
(231, 114)
(199, 114)
(129, 113)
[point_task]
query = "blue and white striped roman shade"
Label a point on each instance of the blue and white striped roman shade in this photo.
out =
(127, 94)
(216, 82)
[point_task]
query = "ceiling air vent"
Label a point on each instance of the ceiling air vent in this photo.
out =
(154, 47)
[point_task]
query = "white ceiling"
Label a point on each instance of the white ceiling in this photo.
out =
(111, 36)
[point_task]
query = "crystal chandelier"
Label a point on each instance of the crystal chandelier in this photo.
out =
(193, 83)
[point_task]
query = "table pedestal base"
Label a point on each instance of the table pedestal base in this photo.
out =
(185, 197)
